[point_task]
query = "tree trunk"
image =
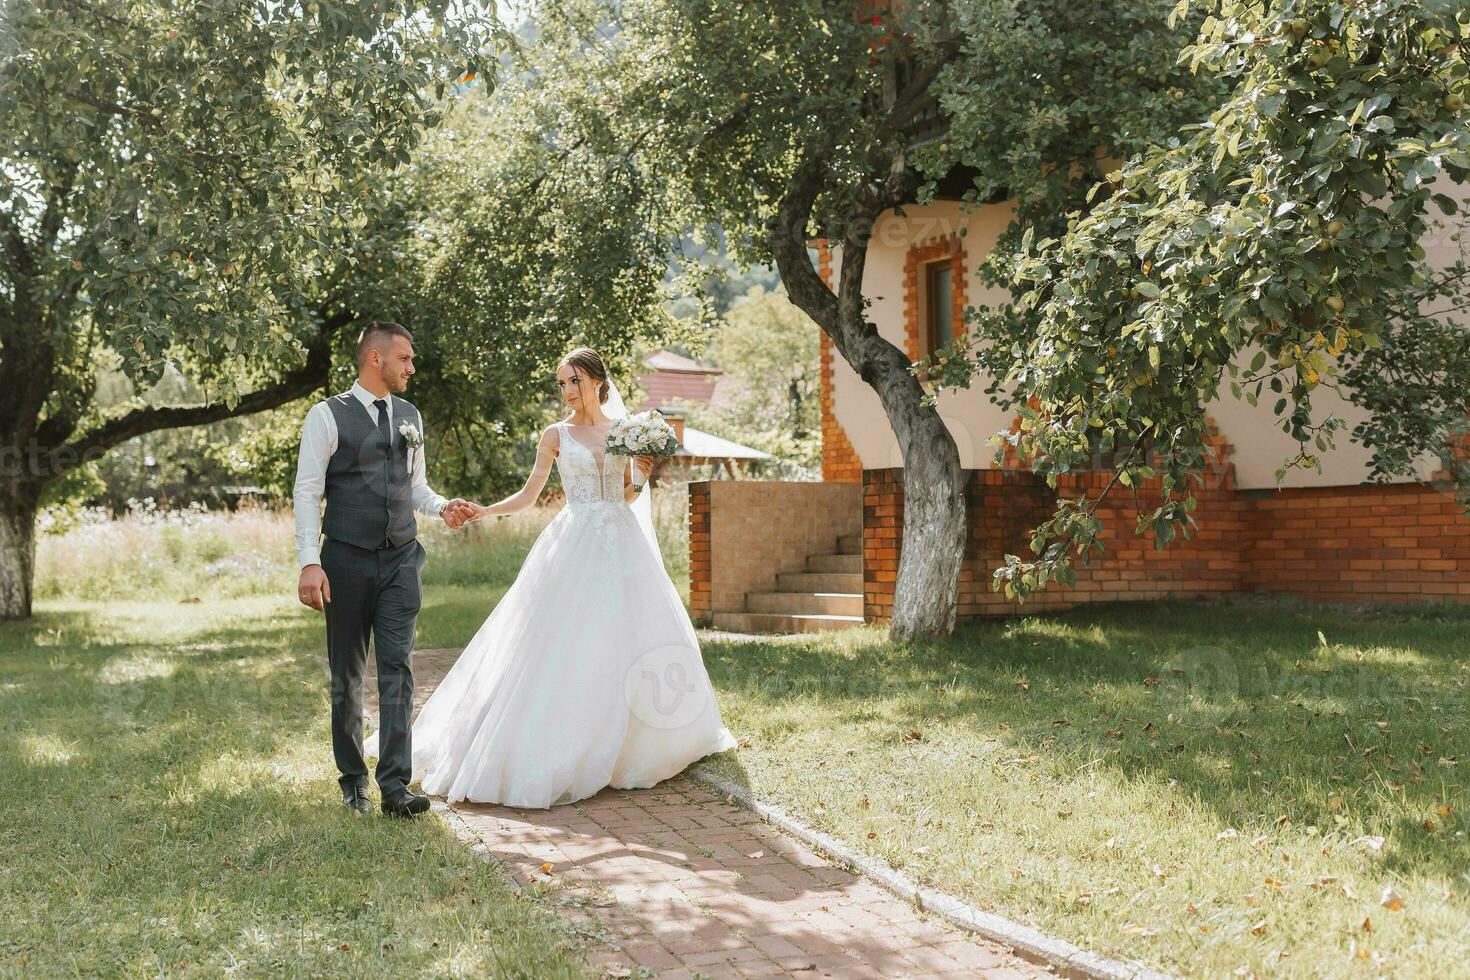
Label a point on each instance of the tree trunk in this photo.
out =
(934, 529)
(17, 551)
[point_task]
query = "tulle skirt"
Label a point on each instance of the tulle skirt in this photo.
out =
(587, 674)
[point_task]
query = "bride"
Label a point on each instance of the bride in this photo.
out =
(587, 673)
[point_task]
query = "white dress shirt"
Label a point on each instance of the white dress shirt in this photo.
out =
(318, 443)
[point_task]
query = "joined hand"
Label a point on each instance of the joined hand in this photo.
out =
(457, 513)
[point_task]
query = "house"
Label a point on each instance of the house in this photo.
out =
(767, 555)
(671, 381)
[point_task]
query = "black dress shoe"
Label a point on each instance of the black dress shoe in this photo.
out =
(356, 800)
(405, 804)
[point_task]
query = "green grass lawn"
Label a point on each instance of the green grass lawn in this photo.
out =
(174, 806)
(1079, 773)
(171, 805)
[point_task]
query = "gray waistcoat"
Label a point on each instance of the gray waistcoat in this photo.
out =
(369, 488)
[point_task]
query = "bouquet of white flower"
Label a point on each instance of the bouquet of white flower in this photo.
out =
(642, 434)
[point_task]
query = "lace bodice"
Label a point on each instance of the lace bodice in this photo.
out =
(588, 474)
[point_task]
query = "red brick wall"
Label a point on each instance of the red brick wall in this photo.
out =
(699, 552)
(1345, 544)
(840, 463)
(1367, 543)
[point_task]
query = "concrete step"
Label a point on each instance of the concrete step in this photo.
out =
(819, 582)
(850, 544)
(754, 622)
(815, 603)
(835, 563)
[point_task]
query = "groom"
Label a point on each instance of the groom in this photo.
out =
(363, 451)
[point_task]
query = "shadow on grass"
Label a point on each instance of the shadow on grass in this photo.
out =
(1241, 703)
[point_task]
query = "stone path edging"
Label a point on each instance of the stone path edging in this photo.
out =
(1031, 943)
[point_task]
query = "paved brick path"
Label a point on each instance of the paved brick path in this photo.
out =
(675, 882)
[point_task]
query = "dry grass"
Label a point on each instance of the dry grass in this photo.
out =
(222, 554)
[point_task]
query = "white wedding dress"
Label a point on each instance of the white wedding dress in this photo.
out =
(587, 674)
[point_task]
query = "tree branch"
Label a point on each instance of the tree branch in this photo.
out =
(302, 381)
(787, 229)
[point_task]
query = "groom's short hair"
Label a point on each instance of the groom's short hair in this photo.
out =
(376, 334)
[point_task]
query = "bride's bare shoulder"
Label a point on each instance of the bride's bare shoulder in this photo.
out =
(551, 438)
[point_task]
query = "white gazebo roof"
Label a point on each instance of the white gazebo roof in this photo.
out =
(707, 446)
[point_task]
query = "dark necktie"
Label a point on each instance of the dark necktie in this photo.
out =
(387, 436)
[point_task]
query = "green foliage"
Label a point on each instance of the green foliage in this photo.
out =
(488, 251)
(180, 175)
(768, 351)
(1291, 221)
(1045, 94)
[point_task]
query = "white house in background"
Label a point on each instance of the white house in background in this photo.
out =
(782, 556)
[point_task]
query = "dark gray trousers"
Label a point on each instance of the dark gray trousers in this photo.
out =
(374, 594)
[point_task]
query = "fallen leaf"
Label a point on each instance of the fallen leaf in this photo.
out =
(1259, 927)
(1135, 929)
(1390, 899)
(1366, 925)
(546, 868)
(1229, 833)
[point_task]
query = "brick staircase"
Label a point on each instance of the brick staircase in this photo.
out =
(828, 595)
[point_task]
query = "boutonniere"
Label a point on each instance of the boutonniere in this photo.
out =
(410, 434)
(412, 438)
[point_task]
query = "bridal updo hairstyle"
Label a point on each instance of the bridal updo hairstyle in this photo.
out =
(588, 362)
